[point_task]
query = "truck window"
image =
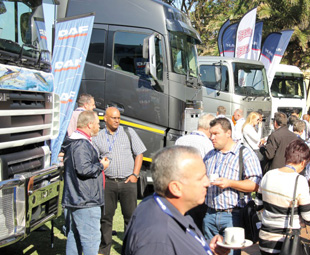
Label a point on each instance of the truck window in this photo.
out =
(128, 53)
(287, 87)
(208, 77)
(96, 47)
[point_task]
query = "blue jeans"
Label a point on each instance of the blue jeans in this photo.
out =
(84, 231)
(214, 223)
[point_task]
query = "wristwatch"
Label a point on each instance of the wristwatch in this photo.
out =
(135, 175)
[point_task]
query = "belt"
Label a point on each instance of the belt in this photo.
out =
(117, 179)
(235, 209)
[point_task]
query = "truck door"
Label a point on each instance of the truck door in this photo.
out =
(128, 87)
(216, 87)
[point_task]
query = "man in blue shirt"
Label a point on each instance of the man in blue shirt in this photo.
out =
(158, 225)
(224, 204)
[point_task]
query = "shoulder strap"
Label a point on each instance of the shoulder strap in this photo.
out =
(129, 137)
(293, 202)
(241, 194)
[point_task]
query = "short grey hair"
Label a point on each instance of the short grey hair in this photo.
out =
(85, 118)
(166, 168)
(299, 126)
(204, 121)
(221, 110)
(84, 99)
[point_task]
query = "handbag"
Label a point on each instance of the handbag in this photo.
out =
(250, 219)
(292, 243)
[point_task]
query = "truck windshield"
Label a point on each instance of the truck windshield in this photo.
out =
(22, 32)
(250, 80)
(184, 54)
(287, 87)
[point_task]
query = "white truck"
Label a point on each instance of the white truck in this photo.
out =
(235, 84)
(30, 187)
(288, 91)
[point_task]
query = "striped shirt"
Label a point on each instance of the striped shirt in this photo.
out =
(227, 165)
(275, 195)
(117, 147)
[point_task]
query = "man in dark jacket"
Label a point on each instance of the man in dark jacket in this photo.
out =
(278, 140)
(83, 187)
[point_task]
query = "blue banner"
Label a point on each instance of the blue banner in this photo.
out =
(282, 45)
(41, 32)
(229, 40)
(257, 41)
(72, 40)
(269, 49)
(219, 38)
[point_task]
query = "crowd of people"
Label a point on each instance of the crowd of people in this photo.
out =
(186, 211)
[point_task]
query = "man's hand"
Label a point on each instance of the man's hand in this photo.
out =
(222, 183)
(216, 249)
(132, 178)
(105, 162)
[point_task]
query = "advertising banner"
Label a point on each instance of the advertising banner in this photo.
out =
(229, 40)
(269, 50)
(257, 41)
(220, 35)
(245, 34)
(282, 45)
(72, 38)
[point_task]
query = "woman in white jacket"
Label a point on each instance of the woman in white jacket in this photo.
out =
(251, 135)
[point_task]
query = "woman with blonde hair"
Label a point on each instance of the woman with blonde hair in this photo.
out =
(251, 137)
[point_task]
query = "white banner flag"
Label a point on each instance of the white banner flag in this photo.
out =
(245, 34)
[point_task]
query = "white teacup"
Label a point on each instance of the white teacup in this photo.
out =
(234, 236)
(213, 177)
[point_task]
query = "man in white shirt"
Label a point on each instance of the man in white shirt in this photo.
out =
(200, 137)
(238, 117)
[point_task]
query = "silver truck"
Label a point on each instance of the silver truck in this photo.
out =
(235, 84)
(142, 59)
(30, 187)
(288, 91)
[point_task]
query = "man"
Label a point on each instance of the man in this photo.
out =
(238, 117)
(158, 225)
(299, 128)
(200, 137)
(278, 140)
(221, 113)
(306, 118)
(224, 205)
(85, 103)
(126, 153)
(83, 187)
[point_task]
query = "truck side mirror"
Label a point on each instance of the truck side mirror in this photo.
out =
(149, 53)
(25, 27)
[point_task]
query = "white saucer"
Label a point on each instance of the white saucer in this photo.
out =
(247, 243)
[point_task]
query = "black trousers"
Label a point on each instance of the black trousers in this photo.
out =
(126, 194)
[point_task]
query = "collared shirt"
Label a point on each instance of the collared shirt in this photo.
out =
(197, 139)
(160, 233)
(117, 147)
(227, 165)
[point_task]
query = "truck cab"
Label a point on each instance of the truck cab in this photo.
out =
(235, 84)
(288, 91)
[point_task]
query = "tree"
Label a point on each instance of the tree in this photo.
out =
(207, 17)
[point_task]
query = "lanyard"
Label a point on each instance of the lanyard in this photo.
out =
(291, 167)
(113, 141)
(196, 133)
(166, 210)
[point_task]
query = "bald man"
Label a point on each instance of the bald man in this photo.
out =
(125, 151)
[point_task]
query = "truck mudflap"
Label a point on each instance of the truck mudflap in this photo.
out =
(28, 201)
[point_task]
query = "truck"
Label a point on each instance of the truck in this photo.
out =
(30, 187)
(288, 91)
(235, 84)
(142, 59)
